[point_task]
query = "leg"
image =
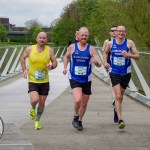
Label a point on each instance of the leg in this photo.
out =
(77, 95)
(84, 102)
(112, 92)
(119, 91)
(41, 107)
(34, 99)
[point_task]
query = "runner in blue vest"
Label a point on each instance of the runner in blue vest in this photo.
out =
(122, 50)
(113, 35)
(81, 56)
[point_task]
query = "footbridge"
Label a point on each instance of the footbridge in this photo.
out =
(100, 133)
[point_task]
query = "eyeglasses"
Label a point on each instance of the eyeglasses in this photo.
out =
(112, 30)
(121, 31)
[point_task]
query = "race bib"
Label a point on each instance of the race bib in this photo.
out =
(40, 75)
(80, 70)
(119, 61)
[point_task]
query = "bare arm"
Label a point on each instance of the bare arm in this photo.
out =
(104, 45)
(25, 54)
(54, 62)
(134, 53)
(94, 57)
(67, 57)
(105, 54)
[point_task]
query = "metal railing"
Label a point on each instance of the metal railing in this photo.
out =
(140, 82)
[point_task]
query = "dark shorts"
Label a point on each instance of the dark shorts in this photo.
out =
(41, 88)
(86, 87)
(119, 79)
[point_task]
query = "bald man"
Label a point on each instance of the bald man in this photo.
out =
(41, 60)
(81, 56)
(122, 50)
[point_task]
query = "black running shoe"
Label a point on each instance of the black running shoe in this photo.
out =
(75, 121)
(80, 127)
(115, 116)
(121, 124)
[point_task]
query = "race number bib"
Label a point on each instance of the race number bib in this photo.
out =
(119, 61)
(80, 70)
(40, 75)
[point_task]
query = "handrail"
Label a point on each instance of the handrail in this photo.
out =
(10, 65)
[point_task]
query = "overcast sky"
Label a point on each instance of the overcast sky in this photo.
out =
(20, 11)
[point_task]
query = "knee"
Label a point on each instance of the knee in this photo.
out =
(119, 97)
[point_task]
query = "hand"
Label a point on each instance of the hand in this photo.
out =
(106, 65)
(49, 66)
(25, 73)
(96, 60)
(125, 54)
(65, 71)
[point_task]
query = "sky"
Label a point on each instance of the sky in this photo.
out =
(20, 11)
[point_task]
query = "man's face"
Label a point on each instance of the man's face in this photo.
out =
(113, 32)
(120, 32)
(41, 39)
(83, 35)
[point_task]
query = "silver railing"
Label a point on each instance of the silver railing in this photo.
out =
(10, 59)
(138, 87)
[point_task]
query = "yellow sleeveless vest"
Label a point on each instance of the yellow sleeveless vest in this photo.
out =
(38, 72)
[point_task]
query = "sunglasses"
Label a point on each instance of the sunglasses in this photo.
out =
(112, 30)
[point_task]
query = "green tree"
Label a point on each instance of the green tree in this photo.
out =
(34, 35)
(3, 33)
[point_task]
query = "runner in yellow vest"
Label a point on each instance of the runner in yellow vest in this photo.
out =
(41, 59)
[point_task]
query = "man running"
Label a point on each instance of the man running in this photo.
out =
(122, 50)
(113, 35)
(81, 55)
(41, 59)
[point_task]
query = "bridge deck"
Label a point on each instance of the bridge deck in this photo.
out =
(100, 133)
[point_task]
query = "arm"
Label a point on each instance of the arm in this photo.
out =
(94, 57)
(25, 54)
(134, 53)
(67, 58)
(104, 45)
(54, 62)
(105, 54)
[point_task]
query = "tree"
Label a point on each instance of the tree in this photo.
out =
(32, 33)
(33, 22)
(36, 31)
(3, 33)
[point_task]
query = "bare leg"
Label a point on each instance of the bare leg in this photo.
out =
(84, 102)
(77, 94)
(119, 91)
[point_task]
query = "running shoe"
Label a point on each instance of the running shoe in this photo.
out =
(115, 116)
(32, 114)
(75, 121)
(37, 125)
(121, 124)
(80, 127)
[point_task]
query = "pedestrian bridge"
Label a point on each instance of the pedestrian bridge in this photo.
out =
(99, 133)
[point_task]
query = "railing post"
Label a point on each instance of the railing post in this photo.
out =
(141, 79)
(16, 61)
(3, 58)
(4, 73)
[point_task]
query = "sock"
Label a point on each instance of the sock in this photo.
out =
(39, 113)
(33, 106)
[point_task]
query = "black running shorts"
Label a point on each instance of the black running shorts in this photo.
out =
(86, 87)
(123, 80)
(41, 88)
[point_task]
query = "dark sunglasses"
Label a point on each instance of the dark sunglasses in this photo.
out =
(112, 30)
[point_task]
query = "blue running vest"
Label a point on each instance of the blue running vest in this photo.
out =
(119, 64)
(80, 65)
